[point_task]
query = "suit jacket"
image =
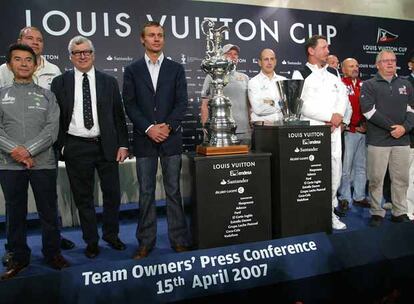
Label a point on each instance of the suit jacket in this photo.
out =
(111, 116)
(144, 106)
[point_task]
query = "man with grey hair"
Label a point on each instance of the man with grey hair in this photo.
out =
(236, 90)
(386, 102)
(92, 135)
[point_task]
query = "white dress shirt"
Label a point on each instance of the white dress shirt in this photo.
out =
(154, 70)
(262, 90)
(76, 126)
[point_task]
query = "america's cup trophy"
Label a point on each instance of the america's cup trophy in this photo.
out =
(220, 127)
(291, 103)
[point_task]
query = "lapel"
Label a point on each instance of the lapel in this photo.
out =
(163, 73)
(69, 83)
(146, 74)
(99, 86)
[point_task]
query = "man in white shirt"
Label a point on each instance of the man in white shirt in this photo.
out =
(325, 102)
(45, 71)
(263, 94)
(92, 136)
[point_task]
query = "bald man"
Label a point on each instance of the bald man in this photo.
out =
(354, 159)
(263, 94)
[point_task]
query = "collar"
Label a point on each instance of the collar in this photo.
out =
(315, 67)
(90, 73)
(378, 77)
(159, 59)
(265, 76)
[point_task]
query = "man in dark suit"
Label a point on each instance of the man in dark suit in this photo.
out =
(155, 98)
(92, 135)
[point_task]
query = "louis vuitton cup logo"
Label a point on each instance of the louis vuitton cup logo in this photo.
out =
(384, 36)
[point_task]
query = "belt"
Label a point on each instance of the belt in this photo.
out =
(86, 139)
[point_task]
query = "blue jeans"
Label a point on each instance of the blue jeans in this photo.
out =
(147, 220)
(354, 167)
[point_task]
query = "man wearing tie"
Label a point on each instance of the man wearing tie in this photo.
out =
(92, 135)
(155, 97)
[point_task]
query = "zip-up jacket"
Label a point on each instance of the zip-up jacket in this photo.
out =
(385, 104)
(29, 117)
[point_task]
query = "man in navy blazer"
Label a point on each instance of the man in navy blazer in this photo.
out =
(92, 135)
(155, 98)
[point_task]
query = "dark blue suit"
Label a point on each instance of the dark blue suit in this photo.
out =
(146, 106)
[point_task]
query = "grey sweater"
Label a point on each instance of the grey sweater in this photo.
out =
(29, 116)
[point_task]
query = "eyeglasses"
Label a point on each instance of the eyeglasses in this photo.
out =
(78, 54)
(388, 60)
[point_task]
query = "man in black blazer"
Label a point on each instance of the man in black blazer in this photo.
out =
(155, 98)
(92, 135)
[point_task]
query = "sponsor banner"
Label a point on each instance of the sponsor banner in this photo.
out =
(115, 32)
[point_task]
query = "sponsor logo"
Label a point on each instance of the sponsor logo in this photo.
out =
(8, 99)
(109, 58)
(238, 173)
(384, 36)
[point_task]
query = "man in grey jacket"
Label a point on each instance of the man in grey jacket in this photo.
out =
(29, 120)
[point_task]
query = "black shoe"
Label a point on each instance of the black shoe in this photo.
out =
(181, 248)
(116, 243)
(363, 204)
(142, 252)
(403, 218)
(6, 258)
(92, 250)
(58, 262)
(66, 244)
(13, 269)
(343, 205)
(375, 220)
(339, 212)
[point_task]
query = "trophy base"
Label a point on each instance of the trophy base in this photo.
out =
(210, 150)
(296, 123)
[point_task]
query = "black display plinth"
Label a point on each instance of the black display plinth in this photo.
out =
(230, 199)
(301, 177)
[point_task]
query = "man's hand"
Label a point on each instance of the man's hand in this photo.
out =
(121, 155)
(28, 162)
(398, 131)
(159, 132)
(20, 153)
(336, 119)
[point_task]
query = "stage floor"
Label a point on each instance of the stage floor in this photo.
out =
(356, 253)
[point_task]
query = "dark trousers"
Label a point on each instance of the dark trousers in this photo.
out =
(15, 185)
(147, 220)
(82, 158)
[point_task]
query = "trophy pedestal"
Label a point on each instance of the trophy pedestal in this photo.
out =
(211, 150)
(230, 199)
(301, 177)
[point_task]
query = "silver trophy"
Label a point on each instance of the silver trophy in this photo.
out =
(220, 127)
(291, 103)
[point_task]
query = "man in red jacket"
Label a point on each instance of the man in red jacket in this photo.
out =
(354, 160)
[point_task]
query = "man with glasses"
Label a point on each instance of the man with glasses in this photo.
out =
(92, 135)
(387, 102)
